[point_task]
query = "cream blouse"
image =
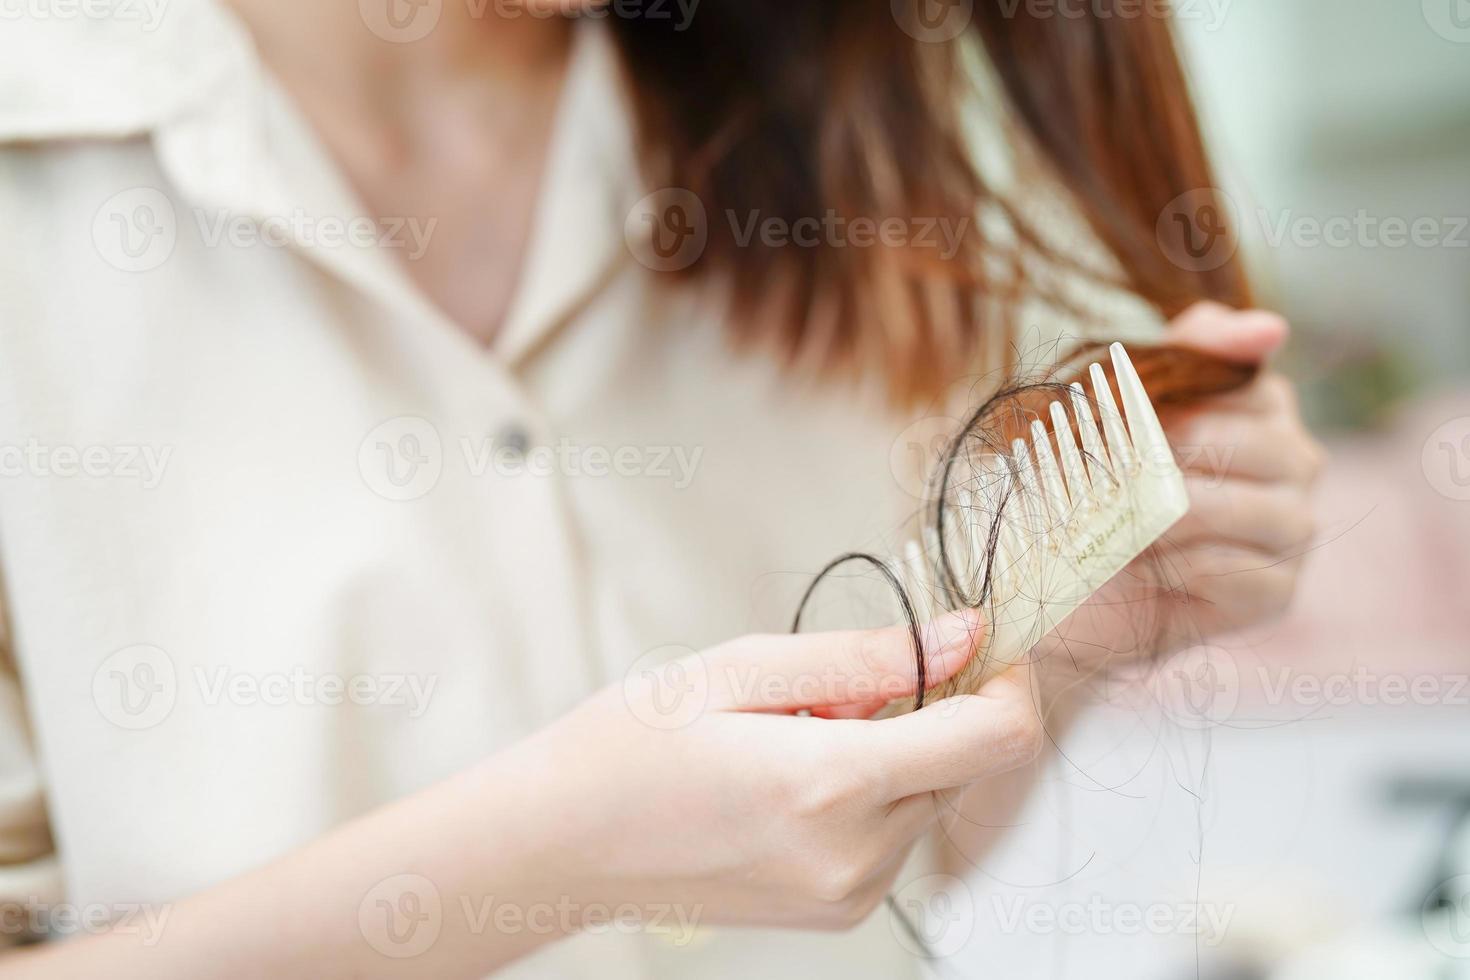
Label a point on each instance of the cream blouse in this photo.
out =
(280, 543)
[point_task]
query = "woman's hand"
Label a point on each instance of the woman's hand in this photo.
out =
(735, 804)
(724, 804)
(1233, 561)
(1250, 465)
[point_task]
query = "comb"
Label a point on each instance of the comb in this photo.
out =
(1088, 493)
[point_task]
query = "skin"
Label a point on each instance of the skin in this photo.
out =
(749, 813)
(752, 812)
(419, 128)
(1233, 561)
(1250, 465)
(1250, 525)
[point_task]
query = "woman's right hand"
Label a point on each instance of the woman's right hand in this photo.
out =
(734, 807)
(697, 783)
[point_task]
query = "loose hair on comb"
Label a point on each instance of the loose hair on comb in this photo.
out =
(1050, 512)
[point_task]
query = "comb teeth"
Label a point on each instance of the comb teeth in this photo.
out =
(969, 545)
(1143, 423)
(912, 572)
(1064, 528)
(1078, 485)
(1120, 447)
(1092, 445)
(1028, 488)
(1058, 504)
(1003, 499)
(928, 561)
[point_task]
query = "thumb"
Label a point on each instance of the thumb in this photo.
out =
(812, 670)
(1247, 336)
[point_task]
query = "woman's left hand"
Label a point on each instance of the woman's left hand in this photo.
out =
(1250, 465)
(1233, 561)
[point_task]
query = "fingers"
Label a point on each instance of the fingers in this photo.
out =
(1253, 433)
(1268, 394)
(851, 897)
(866, 709)
(1247, 447)
(956, 741)
(872, 891)
(1273, 517)
(906, 820)
(823, 670)
(1238, 335)
(1243, 586)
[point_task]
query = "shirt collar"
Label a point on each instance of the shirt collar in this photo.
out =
(229, 139)
(590, 184)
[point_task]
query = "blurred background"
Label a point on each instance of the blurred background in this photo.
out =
(1295, 806)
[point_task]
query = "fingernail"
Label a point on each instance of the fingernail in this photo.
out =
(1271, 327)
(954, 633)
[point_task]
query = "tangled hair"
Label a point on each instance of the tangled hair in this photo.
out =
(794, 111)
(1172, 376)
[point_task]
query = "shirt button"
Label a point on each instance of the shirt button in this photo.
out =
(513, 440)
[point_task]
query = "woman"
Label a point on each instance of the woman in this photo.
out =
(384, 457)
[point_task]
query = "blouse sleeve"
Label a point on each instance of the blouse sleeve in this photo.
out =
(30, 876)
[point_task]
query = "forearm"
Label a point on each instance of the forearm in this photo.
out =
(752, 812)
(405, 891)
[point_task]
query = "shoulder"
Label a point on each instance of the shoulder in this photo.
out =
(110, 68)
(90, 94)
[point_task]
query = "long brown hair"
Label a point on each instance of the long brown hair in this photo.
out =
(794, 109)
